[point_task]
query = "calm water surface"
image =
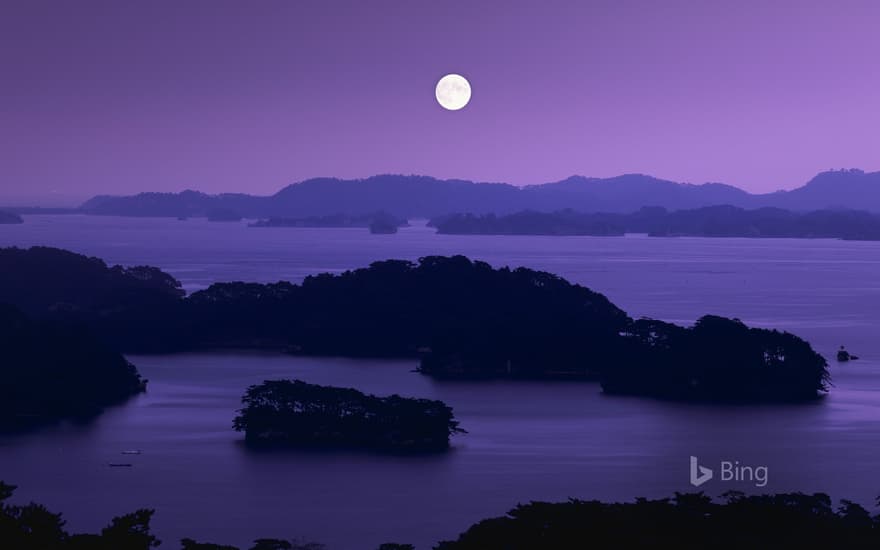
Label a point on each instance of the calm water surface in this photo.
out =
(527, 440)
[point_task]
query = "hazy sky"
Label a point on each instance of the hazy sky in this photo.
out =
(123, 96)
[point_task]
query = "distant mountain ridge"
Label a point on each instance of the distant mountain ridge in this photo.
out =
(424, 196)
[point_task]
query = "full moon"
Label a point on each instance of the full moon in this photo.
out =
(453, 92)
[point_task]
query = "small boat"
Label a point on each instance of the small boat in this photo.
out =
(120, 465)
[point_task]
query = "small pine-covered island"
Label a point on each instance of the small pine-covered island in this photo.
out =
(10, 218)
(293, 413)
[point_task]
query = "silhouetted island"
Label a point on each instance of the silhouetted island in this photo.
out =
(686, 521)
(711, 221)
(294, 413)
(10, 218)
(462, 318)
(381, 219)
(51, 371)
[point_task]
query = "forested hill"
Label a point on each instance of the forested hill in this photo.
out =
(461, 318)
(55, 370)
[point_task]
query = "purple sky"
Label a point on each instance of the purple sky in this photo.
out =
(120, 97)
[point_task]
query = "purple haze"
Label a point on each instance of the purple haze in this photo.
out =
(118, 97)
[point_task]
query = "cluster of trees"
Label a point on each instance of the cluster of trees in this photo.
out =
(126, 306)
(710, 221)
(9, 218)
(52, 370)
(439, 305)
(687, 521)
(285, 412)
(44, 280)
(717, 359)
(463, 318)
(33, 527)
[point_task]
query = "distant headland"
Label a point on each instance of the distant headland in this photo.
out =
(709, 221)
(10, 218)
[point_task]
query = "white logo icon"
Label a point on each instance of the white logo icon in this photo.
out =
(699, 474)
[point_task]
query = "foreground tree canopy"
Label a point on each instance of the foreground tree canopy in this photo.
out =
(285, 412)
(688, 521)
(792, 520)
(463, 318)
(51, 370)
(33, 527)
